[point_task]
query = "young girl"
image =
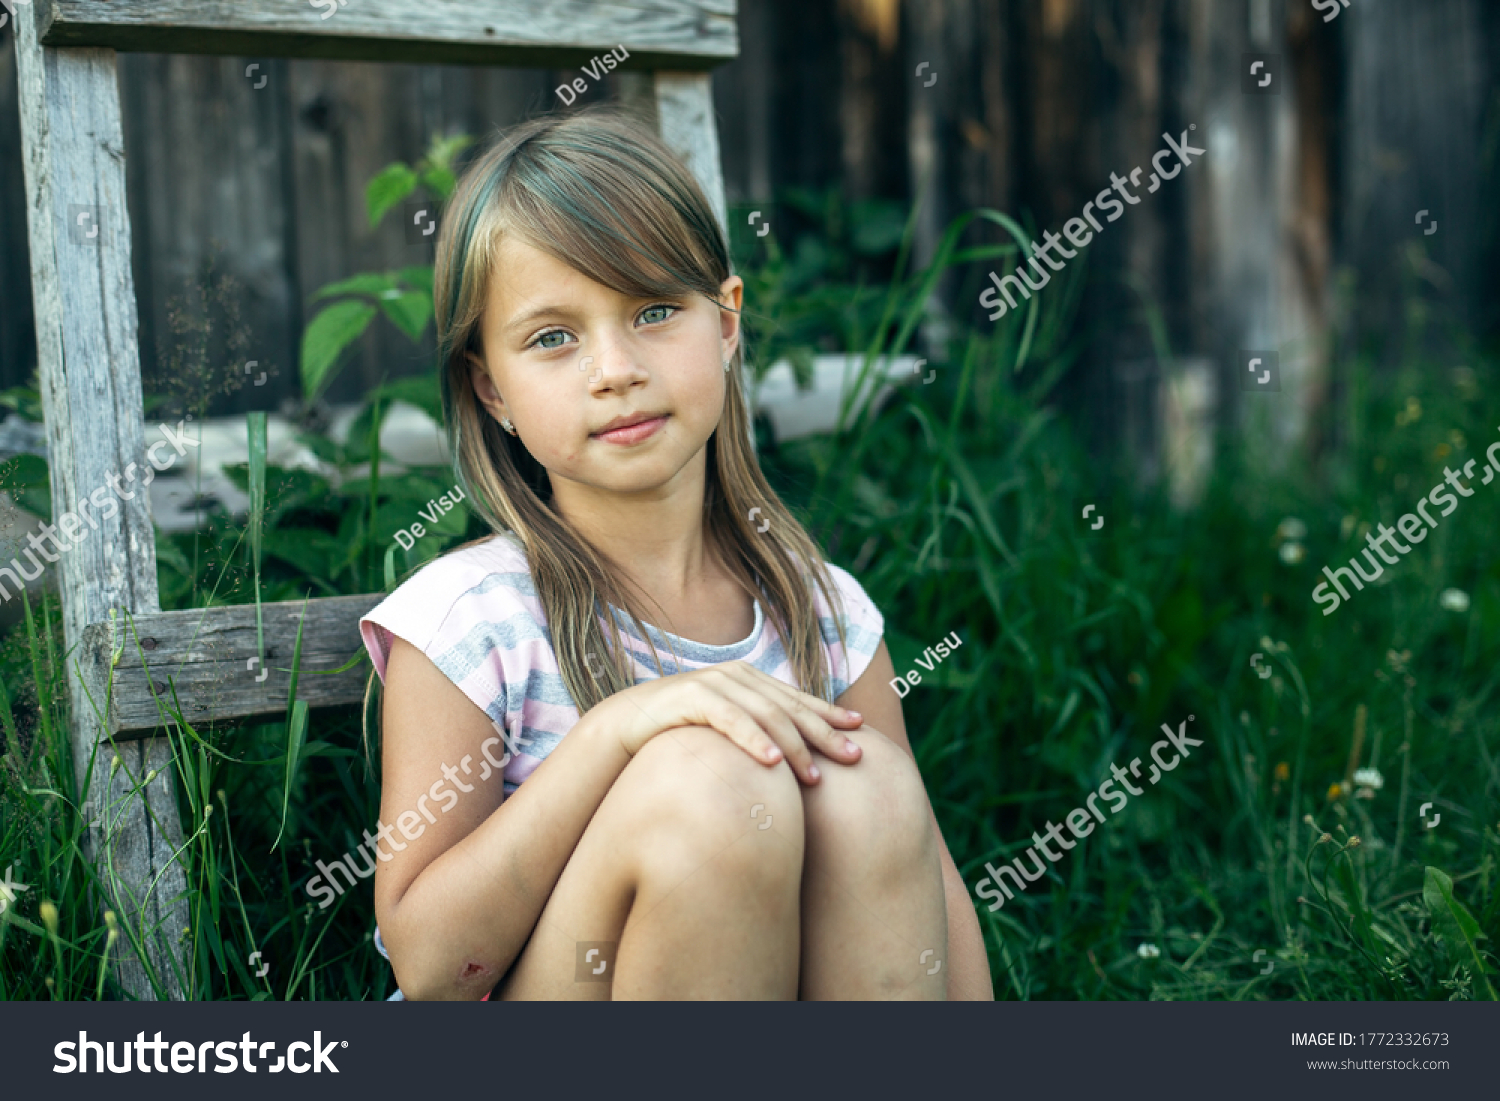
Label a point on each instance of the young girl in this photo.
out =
(678, 810)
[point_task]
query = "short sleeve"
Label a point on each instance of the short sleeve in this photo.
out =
(471, 613)
(863, 626)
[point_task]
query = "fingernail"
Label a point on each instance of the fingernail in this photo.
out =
(850, 747)
(773, 754)
(812, 770)
(853, 714)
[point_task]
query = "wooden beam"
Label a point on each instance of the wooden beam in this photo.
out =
(555, 34)
(73, 156)
(204, 660)
(686, 121)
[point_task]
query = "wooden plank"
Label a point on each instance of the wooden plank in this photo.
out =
(74, 160)
(204, 184)
(565, 34)
(208, 658)
(685, 115)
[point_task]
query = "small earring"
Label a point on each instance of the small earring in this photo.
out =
(505, 424)
(726, 365)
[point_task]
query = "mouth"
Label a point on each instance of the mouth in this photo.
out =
(631, 428)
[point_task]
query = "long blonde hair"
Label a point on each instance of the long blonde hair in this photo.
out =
(601, 193)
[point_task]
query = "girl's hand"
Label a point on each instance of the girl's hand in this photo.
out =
(764, 717)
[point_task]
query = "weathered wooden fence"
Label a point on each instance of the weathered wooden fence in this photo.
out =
(1024, 105)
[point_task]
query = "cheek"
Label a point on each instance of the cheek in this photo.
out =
(701, 397)
(553, 426)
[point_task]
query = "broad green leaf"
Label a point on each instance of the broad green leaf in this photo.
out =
(419, 390)
(440, 181)
(1453, 922)
(391, 184)
(419, 277)
(369, 283)
(333, 330)
(409, 311)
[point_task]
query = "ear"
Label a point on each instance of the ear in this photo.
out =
(484, 387)
(731, 294)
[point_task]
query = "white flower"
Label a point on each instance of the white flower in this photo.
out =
(1148, 951)
(1369, 777)
(1455, 600)
(1292, 553)
(1292, 529)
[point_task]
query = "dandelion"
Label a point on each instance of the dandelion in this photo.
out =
(1283, 771)
(1148, 951)
(1291, 528)
(1335, 790)
(1292, 553)
(1369, 778)
(1454, 600)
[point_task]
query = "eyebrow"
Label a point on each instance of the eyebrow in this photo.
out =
(531, 315)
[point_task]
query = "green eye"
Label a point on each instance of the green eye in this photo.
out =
(546, 341)
(661, 312)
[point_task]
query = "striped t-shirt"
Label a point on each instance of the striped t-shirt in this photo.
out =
(475, 615)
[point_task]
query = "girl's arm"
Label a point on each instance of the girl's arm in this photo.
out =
(459, 896)
(968, 965)
(457, 903)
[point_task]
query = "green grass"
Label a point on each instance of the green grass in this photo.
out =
(957, 505)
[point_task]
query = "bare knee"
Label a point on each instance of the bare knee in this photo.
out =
(874, 814)
(691, 794)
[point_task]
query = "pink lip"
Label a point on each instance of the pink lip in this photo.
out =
(632, 433)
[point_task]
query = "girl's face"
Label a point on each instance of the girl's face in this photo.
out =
(606, 391)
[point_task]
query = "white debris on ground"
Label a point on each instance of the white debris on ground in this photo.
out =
(183, 496)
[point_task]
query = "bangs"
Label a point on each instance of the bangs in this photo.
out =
(614, 208)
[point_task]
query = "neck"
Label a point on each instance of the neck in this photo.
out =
(653, 538)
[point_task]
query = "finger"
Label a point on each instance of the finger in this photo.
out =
(725, 715)
(775, 720)
(829, 712)
(814, 728)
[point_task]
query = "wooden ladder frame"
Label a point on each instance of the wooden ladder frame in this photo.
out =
(83, 294)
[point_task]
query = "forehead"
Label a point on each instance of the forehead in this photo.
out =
(523, 274)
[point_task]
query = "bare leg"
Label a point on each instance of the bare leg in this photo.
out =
(874, 919)
(702, 901)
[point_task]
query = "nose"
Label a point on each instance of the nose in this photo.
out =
(610, 366)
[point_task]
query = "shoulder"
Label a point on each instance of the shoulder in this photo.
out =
(484, 588)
